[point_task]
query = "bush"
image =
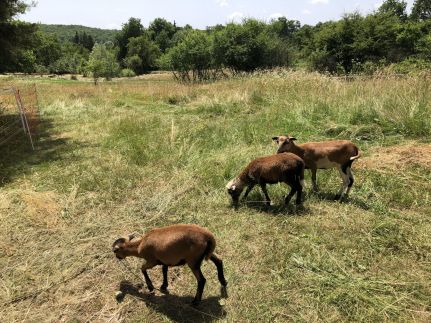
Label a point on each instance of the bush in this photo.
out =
(127, 72)
(102, 63)
(191, 59)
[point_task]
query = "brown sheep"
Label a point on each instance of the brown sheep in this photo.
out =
(338, 154)
(287, 168)
(171, 246)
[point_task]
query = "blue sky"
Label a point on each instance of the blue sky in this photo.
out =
(198, 13)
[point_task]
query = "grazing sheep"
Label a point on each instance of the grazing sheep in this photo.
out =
(171, 246)
(338, 154)
(287, 168)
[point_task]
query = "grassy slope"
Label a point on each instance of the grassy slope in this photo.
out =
(67, 32)
(129, 156)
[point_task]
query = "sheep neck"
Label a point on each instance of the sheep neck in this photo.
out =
(133, 247)
(297, 150)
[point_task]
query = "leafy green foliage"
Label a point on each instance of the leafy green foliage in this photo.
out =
(133, 28)
(191, 57)
(162, 32)
(102, 63)
(142, 54)
(10, 8)
(421, 10)
(66, 33)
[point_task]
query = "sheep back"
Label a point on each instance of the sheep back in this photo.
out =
(177, 244)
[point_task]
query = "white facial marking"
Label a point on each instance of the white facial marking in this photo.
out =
(230, 185)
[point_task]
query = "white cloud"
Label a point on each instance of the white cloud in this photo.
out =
(306, 12)
(319, 1)
(236, 16)
(276, 15)
(222, 3)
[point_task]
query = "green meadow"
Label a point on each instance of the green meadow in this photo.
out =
(132, 154)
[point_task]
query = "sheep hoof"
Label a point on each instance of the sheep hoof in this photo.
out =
(337, 197)
(164, 290)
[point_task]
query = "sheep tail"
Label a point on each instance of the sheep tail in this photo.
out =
(355, 157)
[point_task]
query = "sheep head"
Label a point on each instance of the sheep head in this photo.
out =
(120, 247)
(284, 143)
(234, 188)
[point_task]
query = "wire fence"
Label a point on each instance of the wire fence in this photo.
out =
(19, 113)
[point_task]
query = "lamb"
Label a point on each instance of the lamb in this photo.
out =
(287, 168)
(170, 246)
(338, 154)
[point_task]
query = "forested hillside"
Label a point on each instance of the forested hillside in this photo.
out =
(67, 32)
(391, 38)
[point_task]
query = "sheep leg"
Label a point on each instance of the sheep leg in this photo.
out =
(298, 192)
(314, 179)
(249, 188)
(344, 184)
(265, 192)
(164, 287)
(219, 264)
(196, 269)
(289, 196)
(148, 281)
(351, 180)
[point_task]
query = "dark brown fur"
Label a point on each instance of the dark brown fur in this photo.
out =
(286, 168)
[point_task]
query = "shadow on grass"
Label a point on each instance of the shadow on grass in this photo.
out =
(278, 209)
(17, 156)
(177, 308)
(325, 196)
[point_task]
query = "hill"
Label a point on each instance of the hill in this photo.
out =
(66, 32)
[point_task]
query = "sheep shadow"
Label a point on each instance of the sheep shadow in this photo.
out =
(256, 201)
(326, 196)
(176, 308)
(17, 156)
(278, 209)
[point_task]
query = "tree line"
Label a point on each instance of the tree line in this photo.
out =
(390, 36)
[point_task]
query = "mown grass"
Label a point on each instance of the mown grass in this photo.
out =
(130, 155)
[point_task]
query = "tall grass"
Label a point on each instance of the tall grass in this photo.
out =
(130, 155)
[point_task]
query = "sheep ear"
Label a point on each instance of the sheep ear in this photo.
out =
(275, 138)
(292, 138)
(131, 236)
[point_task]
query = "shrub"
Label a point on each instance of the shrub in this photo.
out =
(127, 72)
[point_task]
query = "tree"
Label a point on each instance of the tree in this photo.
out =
(102, 63)
(16, 38)
(162, 32)
(394, 7)
(47, 50)
(133, 28)
(10, 8)
(283, 27)
(191, 58)
(421, 10)
(245, 47)
(145, 50)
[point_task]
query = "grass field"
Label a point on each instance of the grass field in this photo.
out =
(128, 156)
